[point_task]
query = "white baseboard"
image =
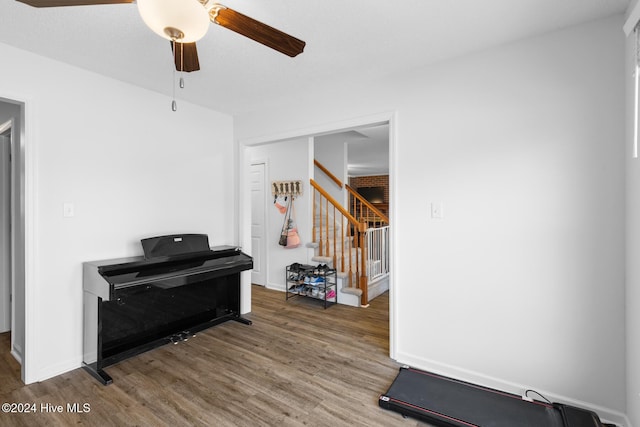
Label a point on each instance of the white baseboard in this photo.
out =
(378, 287)
(16, 356)
(606, 414)
(58, 369)
(275, 287)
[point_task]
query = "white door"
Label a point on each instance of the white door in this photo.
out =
(258, 206)
(5, 233)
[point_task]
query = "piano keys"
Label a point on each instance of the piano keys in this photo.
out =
(180, 287)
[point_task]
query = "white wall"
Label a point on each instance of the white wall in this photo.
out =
(522, 283)
(332, 154)
(131, 167)
(286, 161)
(633, 245)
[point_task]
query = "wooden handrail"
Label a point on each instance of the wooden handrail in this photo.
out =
(365, 202)
(328, 173)
(327, 246)
(361, 226)
(354, 193)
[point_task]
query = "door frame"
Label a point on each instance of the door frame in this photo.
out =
(7, 127)
(24, 167)
(244, 229)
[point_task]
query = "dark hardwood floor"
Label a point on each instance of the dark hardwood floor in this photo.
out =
(296, 365)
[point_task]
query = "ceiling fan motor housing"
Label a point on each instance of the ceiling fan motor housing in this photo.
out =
(186, 21)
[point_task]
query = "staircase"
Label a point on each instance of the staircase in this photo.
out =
(353, 241)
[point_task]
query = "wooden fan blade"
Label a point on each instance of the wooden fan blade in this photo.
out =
(256, 30)
(57, 3)
(185, 56)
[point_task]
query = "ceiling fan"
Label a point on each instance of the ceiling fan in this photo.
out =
(184, 22)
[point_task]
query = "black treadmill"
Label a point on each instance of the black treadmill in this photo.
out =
(447, 402)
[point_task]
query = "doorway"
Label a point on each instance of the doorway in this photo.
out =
(386, 124)
(359, 157)
(14, 216)
(5, 227)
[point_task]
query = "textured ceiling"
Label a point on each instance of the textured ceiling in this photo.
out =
(348, 43)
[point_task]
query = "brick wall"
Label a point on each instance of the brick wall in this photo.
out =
(371, 181)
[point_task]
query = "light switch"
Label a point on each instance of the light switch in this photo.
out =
(68, 210)
(437, 210)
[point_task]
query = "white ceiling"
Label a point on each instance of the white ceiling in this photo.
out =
(369, 155)
(347, 42)
(367, 149)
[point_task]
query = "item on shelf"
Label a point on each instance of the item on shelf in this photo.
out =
(314, 281)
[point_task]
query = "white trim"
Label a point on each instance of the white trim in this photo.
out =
(632, 20)
(28, 152)
(237, 186)
(8, 126)
(311, 170)
(389, 117)
(275, 287)
(393, 209)
(345, 173)
(318, 130)
(16, 350)
(31, 317)
(59, 368)
(636, 88)
(243, 216)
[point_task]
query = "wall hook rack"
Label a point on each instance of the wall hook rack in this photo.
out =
(286, 188)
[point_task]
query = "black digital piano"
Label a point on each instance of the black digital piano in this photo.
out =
(180, 286)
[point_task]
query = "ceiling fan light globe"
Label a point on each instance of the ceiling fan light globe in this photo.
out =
(189, 17)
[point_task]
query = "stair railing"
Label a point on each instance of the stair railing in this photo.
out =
(364, 211)
(331, 218)
(328, 173)
(361, 208)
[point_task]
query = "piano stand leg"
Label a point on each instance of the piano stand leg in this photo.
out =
(243, 320)
(98, 374)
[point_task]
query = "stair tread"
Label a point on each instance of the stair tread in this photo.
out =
(351, 290)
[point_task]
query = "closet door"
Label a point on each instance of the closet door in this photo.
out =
(258, 219)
